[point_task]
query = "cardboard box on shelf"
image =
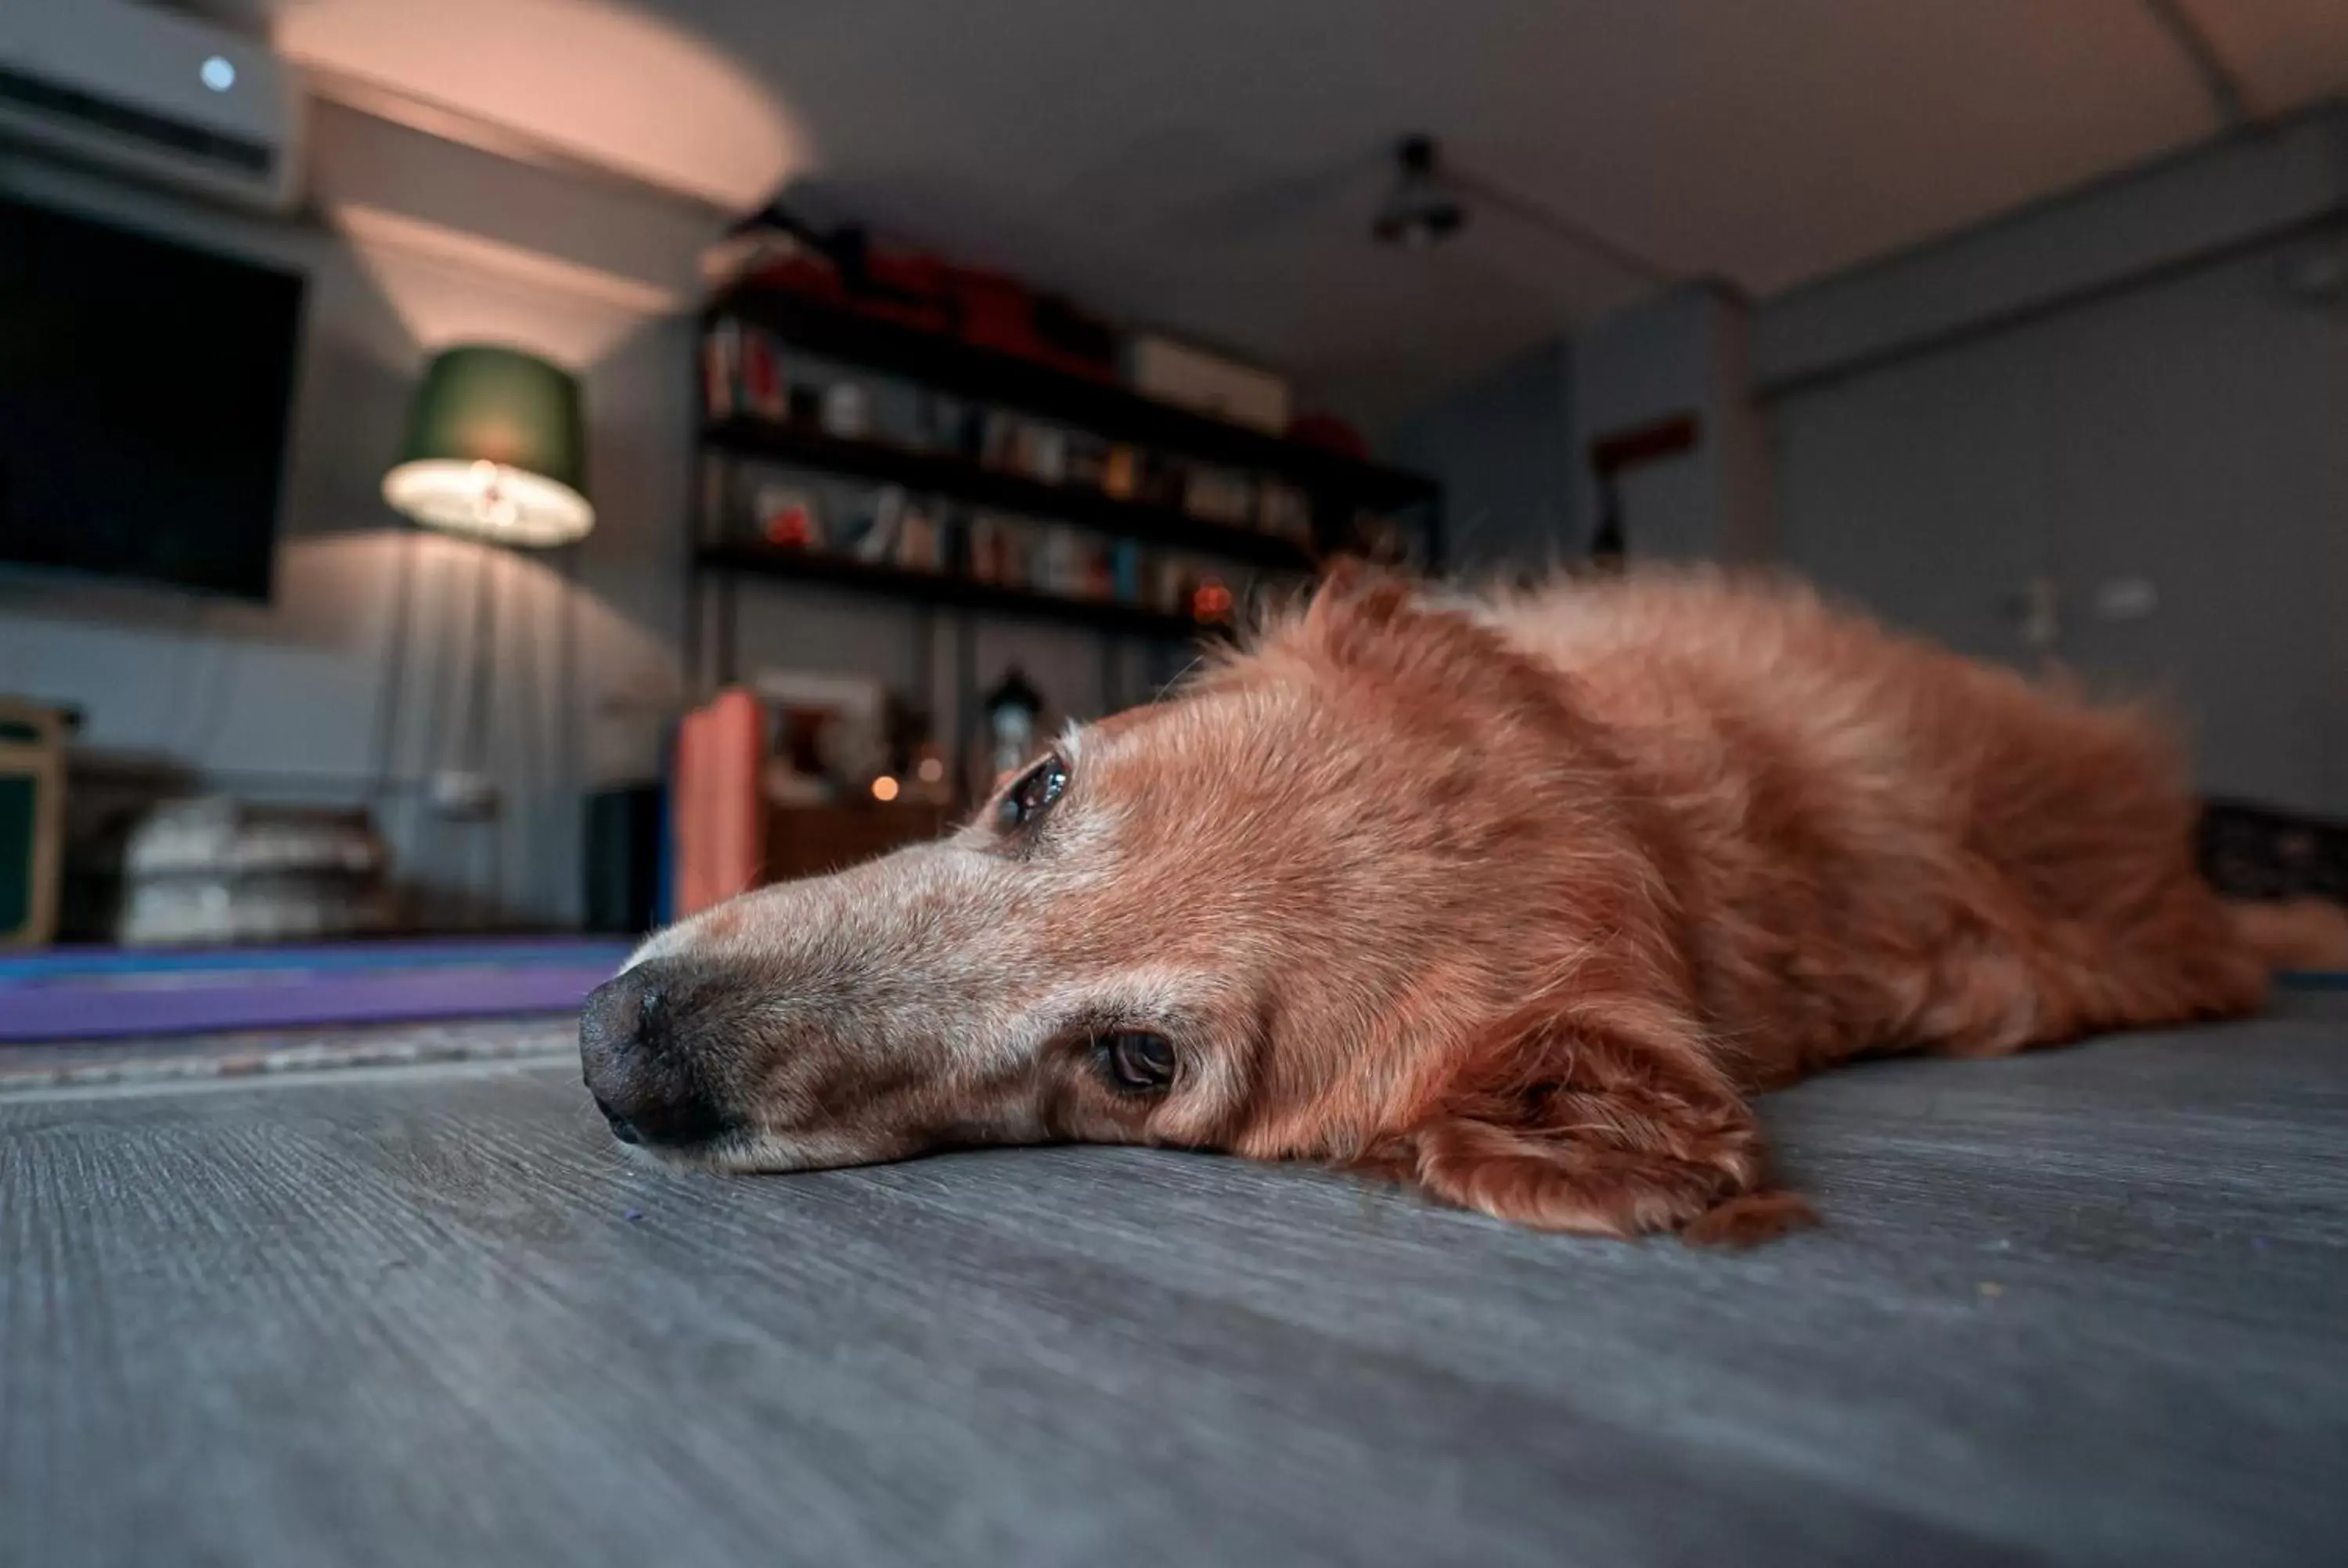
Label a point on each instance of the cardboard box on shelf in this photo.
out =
(1191, 377)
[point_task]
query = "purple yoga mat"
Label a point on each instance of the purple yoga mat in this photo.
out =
(268, 996)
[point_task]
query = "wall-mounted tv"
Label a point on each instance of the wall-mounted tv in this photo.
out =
(145, 389)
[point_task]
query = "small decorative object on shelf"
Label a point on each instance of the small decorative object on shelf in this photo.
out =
(944, 424)
(1121, 473)
(1014, 715)
(1002, 551)
(721, 369)
(921, 539)
(1218, 495)
(1285, 512)
(1088, 461)
(869, 532)
(1043, 454)
(898, 417)
(787, 517)
(846, 411)
(1211, 604)
(765, 391)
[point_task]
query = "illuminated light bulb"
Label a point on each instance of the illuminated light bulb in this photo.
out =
(884, 789)
(932, 769)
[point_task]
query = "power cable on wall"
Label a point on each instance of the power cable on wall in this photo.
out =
(1558, 226)
(2199, 47)
(570, 761)
(491, 572)
(1433, 199)
(383, 766)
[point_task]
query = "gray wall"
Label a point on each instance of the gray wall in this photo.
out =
(1502, 446)
(2105, 433)
(2118, 408)
(1511, 445)
(418, 242)
(1685, 353)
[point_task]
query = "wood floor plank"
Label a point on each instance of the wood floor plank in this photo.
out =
(2085, 1305)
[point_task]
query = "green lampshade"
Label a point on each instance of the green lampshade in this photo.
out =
(496, 448)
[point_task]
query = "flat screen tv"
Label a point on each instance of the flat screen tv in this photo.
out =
(144, 394)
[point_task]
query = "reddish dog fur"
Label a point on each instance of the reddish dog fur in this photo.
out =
(1517, 900)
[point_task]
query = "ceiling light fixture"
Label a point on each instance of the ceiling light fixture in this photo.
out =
(1422, 211)
(1430, 199)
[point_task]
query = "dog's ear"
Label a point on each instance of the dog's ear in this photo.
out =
(1373, 622)
(1355, 603)
(1600, 1119)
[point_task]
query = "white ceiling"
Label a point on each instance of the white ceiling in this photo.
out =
(1211, 164)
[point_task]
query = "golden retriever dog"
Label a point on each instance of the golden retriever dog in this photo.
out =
(1517, 899)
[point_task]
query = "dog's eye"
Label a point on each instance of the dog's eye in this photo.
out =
(1034, 793)
(1134, 1060)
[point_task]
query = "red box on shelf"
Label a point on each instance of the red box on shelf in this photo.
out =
(1003, 315)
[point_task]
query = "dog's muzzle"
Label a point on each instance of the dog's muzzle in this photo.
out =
(634, 1052)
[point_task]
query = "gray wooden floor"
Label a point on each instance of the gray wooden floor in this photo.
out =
(2086, 1307)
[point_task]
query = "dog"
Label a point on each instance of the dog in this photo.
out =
(1517, 898)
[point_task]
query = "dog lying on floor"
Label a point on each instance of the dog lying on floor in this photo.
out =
(1517, 899)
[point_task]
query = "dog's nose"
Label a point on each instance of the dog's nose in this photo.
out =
(638, 1064)
(622, 1128)
(626, 1013)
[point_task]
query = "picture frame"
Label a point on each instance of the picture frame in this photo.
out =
(824, 732)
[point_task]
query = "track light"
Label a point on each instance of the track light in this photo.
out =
(1429, 203)
(1422, 209)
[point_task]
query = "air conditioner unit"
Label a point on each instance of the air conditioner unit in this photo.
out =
(152, 94)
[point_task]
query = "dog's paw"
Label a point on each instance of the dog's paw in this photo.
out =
(1745, 1221)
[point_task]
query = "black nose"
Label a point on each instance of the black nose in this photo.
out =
(639, 1050)
(627, 1012)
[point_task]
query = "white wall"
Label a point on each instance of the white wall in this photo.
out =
(418, 242)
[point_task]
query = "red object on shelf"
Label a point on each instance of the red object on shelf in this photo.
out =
(908, 287)
(923, 290)
(1330, 433)
(995, 311)
(802, 272)
(1003, 315)
(911, 289)
(793, 528)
